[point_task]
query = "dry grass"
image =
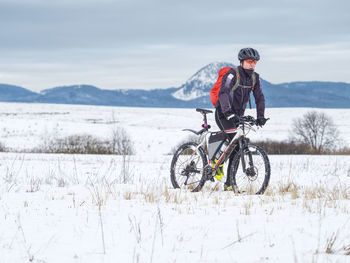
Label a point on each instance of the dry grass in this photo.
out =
(34, 185)
(347, 250)
(166, 194)
(288, 188)
(269, 191)
(310, 199)
(304, 196)
(150, 197)
(128, 195)
(337, 192)
(331, 242)
(246, 208)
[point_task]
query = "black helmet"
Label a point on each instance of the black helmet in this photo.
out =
(248, 53)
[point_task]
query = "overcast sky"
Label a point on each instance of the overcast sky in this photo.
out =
(160, 43)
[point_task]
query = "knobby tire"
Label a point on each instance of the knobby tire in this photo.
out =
(188, 163)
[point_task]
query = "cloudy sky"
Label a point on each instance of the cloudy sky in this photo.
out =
(130, 44)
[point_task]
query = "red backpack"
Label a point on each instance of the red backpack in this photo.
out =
(214, 92)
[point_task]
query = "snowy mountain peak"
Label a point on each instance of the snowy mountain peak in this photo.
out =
(201, 82)
(209, 73)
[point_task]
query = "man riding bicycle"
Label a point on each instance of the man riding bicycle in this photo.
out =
(235, 89)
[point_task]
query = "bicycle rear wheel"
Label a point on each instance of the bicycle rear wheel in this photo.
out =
(257, 176)
(187, 167)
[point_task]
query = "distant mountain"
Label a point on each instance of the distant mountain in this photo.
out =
(193, 93)
(309, 94)
(199, 84)
(11, 93)
(77, 94)
(90, 95)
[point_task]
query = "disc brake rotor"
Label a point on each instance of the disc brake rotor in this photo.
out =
(252, 173)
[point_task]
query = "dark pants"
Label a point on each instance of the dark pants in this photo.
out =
(222, 122)
(225, 124)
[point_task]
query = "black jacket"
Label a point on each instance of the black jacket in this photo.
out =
(235, 102)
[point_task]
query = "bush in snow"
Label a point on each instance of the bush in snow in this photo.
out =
(119, 144)
(86, 144)
(3, 147)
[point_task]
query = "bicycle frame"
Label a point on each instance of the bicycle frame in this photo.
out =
(244, 127)
(240, 134)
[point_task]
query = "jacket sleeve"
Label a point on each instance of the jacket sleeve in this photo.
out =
(228, 80)
(259, 98)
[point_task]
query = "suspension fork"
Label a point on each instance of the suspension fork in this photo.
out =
(242, 147)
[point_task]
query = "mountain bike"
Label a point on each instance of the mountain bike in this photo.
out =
(248, 169)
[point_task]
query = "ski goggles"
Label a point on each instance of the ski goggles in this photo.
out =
(251, 61)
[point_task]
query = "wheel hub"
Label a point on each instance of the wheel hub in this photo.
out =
(252, 173)
(189, 169)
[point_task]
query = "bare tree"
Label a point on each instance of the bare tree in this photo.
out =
(121, 142)
(317, 130)
(123, 145)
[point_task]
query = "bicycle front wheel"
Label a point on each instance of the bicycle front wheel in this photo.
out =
(187, 167)
(257, 175)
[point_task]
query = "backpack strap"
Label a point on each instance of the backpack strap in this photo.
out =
(238, 77)
(253, 87)
(254, 81)
(236, 85)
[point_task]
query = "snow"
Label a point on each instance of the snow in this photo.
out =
(208, 74)
(193, 88)
(24, 126)
(77, 208)
(194, 93)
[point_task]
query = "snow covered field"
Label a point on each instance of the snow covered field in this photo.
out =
(24, 126)
(76, 208)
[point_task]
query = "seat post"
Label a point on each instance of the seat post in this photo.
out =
(205, 118)
(204, 112)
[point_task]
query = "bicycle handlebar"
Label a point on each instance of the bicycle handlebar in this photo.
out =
(249, 119)
(205, 127)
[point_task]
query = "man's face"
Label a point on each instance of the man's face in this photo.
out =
(249, 64)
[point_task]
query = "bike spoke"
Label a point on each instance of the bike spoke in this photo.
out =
(189, 167)
(253, 179)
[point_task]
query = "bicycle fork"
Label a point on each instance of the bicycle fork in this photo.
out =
(242, 147)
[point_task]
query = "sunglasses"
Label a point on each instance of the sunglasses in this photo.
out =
(251, 61)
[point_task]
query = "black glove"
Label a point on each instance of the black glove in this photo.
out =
(234, 118)
(261, 121)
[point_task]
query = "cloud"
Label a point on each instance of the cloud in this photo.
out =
(47, 24)
(158, 44)
(164, 66)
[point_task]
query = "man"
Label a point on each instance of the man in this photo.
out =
(232, 104)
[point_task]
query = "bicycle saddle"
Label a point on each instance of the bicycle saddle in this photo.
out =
(204, 111)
